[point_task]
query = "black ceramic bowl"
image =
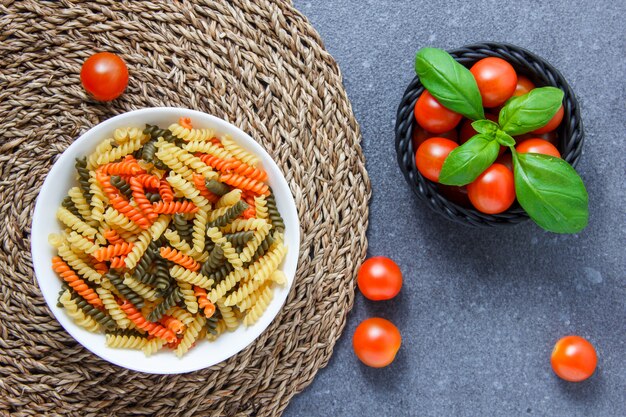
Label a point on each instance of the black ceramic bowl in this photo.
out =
(569, 133)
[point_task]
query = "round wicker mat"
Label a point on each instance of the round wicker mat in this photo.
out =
(257, 64)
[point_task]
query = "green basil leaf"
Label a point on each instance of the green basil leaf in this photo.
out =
(449, 82)
(485, 126)
(465, 163)
(551, 192)
(530, 111)
(504, 139)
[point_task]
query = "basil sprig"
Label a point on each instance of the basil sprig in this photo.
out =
(548, 188)
(531, 111)
(465, 163)
(551, 192)
(449, 82)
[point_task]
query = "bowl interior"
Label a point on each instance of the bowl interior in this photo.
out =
(61, 178)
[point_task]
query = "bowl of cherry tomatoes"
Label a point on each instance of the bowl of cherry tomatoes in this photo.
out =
(427, 131)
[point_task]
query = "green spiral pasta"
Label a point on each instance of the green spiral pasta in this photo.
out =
(239, 239)
(99, 316)
(216, 187)
(184, 229)
(162, 279)
(124, 187)
(70, 206)
(216, 259)
(231, 214)
(170, 299)
(212, 322)
(118, 282)
(274, 216)
(153, 197)
(144, 265)
(83, 177)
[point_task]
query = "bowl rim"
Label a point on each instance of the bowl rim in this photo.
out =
(533, 65)
(41, 250)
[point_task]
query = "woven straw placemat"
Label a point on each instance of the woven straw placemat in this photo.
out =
(256, 63)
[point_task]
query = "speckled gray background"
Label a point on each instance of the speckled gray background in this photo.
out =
(481, 309)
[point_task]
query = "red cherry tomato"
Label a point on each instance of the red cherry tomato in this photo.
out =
(430, 156)
(104, 76)
(420, 135)
(524, 85)
(455, 194)
(376, 342)
(496, 80)
(550, 137)
(434, 117)
(537, 145)
(467, 131)
(379, 278)
(493, 191)
(506, 160)
(553, 123)
(573, 359)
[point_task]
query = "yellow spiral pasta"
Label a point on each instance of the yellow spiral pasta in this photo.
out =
(260, 205)
(199, 229)
(187, 189)
(227, 284)
(124, 134)
(182, 162)
(73, 222)
(189, 297)
(239, 225)
(98, 199)
(279, 277)
(264, 298)
(189, 135)
(83, 207)
(122, 150)
(77, 314)
(114, 217)
(113, 308)
(190, 335)
(196, 164)
(208, 148)
(102, 148)
(194, 278)
(81, 243)
(125, 342)
(78, 264)
(252, 245)
(152, 346)
(238, 152)
(177, 242)
(229, 199)
(229, 252)
(180, 314)
(228, 315)
(143, 240)
(140, 288)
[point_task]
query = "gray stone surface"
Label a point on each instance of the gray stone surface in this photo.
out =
(481, 309)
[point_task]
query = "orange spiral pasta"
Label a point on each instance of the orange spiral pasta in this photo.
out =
(148, 181)
(250, 212)
(129, 166)
(112, 236)
(203, 301)
(173, 324)
(142, 201)
(60, 267)
(217, 163)
(153, 329)
(172, 207)
(109, 252)
(118, 261)
(179, 258)
(245, 183)
(246, 170)
(198, 181)
(100, 267)
(165, 189)
(119, 203)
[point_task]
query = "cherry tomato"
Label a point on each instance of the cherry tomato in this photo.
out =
(379, 278)
(524, 85)
(455, 194)
(553, 123)
(550, 137)
(573, 359)
(376, 342)
(506, 160)
(496, 80)
(467, 131)
(420, 135)
(430, 156)
(493, 191)
(537, 145)
(434, 117)
(104, 76)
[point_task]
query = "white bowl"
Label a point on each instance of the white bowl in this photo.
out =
(62, 177)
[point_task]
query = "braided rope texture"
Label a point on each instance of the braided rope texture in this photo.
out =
(258, 64)
(570, 132)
